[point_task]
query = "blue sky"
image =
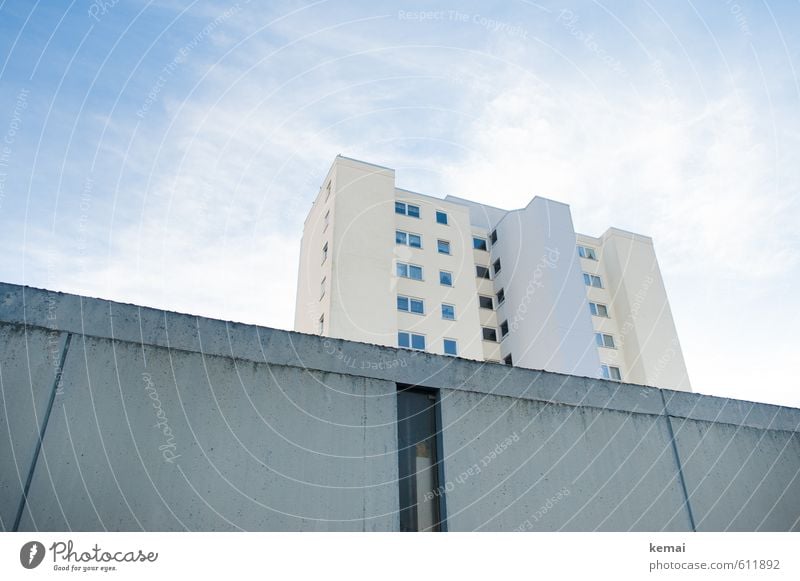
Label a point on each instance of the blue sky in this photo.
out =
(167, 154)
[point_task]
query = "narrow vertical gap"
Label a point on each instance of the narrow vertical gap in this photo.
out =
(678, 462)
(440, 476)
(56, 382)
(417, 456)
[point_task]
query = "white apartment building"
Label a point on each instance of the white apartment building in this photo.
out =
(383, 265)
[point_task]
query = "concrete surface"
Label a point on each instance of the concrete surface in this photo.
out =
(166, 421)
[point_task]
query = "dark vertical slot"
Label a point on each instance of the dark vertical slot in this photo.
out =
(418, 460)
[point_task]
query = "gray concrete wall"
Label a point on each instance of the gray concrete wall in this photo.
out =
(164, 421)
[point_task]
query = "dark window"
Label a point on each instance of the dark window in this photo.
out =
(482, 272)
(504, 328)
(592, 280)
(485, 302)
(445, 278)
(586, 252)
(508, 360)
(406, 209)
(479, 243)
(410, 305)
(610, 372)
(489, 334)
(421, 500)
(501, 296)
(496, 266)
(411, 340)
(441, 217)
(494, 237)
(448, 312)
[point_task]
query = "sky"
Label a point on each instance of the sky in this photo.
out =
(166, 154)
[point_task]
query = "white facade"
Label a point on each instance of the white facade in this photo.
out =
(376, 261)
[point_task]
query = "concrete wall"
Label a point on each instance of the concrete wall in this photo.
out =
(164, 421)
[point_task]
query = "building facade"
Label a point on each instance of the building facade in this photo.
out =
(384, 265)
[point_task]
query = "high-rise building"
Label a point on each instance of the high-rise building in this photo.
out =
(384, 265)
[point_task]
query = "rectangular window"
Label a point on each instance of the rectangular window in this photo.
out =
(408, 239)
(504, 328)
(327, 191)
(443, 246)
(448, 312)
(322, 289)
(481, 272)
(604, 340)
(489, 334)
(496, 266)
(485, 302)
(406, 209)
(411, 271)
(586, 252)
(508, 360)
(479, 243)
(322, 324)
(445, 278)
(411, 340)
(325, 253)
(418, 451)
(611, 372)
(598, 310)
(327, 220)
(493, 237)
(501, 297)
(441, 217)
(409, 305)
(592, 280)
(450, 347)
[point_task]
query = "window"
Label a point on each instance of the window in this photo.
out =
(604, 340)
(508, 360)
(448, 312)
(481, 272)
(410, 305)
(418, 453)
(611, 372)
(479, 243)
(441, 217)
(586, 252)
(443, 246)
(450, 347)
(327, 191)
(496, 266)
(598, 310)
(489, 334)
(411, 271)
(411, 341)
(493, 237)
(485, 302)
(325, 253)
(322, 289)
(501, 297)
(445, 278)
(327, 220)
(504, 328)
(406, 209)
(592, 280)
(322, 324)
(407, 239)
